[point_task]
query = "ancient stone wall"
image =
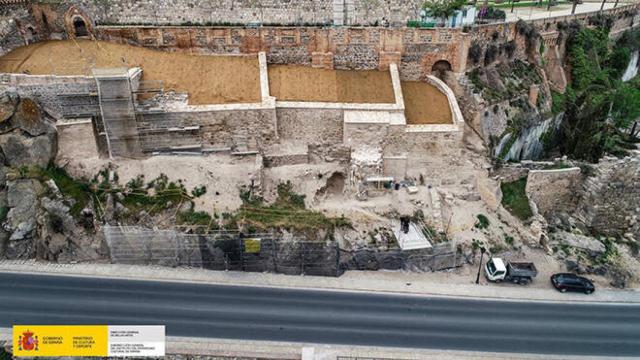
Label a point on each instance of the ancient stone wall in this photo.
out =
(415, 50)
(209, 128)
(610, 202)
(375, 12)
(59, 95)
(177, 12)
(310, 125)
(554, 190)
(16, 28)
(437, 157)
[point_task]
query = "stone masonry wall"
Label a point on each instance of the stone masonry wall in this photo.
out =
(176, 12)
(310, 125)
(415, 50)
(217, 128)
(610, 201)
(553, 190)
(57, 94)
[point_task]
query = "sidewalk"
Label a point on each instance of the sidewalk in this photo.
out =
(432, 284)
(180, 347)
(532, 13)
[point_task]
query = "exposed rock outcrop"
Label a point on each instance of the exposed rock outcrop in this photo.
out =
(36, 219)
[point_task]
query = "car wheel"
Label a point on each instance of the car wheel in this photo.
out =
(588, 292)
(563, 290)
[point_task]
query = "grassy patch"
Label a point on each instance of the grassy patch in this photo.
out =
(77, 189)
(514, 198)
(288, 212)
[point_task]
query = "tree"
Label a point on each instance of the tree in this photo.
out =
(442, 9)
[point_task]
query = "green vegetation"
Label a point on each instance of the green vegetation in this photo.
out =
(4, 355)
(542, 4)
(515, 77)
(599, 108)
(153, 197)
(442, 9)
(514, 198)
(420, 24)
(77, 189)
(287, 212)
(482, 223)
(610, 254)
(508, 239)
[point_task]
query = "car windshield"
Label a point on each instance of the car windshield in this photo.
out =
(491, 267)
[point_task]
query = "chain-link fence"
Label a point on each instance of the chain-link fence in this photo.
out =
(231, 250)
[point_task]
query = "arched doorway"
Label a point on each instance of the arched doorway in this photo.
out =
(440, 68)
(80, 27)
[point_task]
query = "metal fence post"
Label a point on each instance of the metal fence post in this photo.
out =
(302, 259)
(274, 253)
(241, 247)
(337, 260)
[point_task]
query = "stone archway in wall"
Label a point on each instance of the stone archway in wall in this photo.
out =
(440, 69)
(80, 27)
(77, 23)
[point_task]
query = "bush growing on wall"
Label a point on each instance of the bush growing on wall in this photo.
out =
(475, 52)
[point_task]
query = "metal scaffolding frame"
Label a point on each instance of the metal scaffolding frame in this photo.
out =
(117, 108)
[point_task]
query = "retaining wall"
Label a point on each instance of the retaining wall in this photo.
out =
(553, 189)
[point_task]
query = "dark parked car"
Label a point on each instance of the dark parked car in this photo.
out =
(572, 282)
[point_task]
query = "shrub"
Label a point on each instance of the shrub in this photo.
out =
(482, 223)
(490, 54)
(475, 52)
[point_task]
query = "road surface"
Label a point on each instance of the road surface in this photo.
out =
(254, 313)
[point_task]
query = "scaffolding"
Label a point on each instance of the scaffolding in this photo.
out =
(117, 109)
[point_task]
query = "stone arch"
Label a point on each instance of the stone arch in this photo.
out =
(77, 23)
(441, 65)
(30, 35)
(440, 68)
(80, 27)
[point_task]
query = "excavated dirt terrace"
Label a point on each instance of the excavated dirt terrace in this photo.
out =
(425, 104)
(302, 83)
(207, 79)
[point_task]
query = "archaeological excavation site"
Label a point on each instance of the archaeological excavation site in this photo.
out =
(302, 139)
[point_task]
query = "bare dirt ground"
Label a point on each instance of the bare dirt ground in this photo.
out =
(301, 83)
(221, 174)
(208, 79)
(424, 104)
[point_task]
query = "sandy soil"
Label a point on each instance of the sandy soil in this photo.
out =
(223, 175)
(207, 79)
(301, 83)
(424, 104)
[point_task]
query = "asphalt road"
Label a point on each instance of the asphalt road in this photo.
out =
(196, 310)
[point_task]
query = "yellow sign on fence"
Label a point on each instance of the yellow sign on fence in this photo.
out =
(87, 340)
(252, 245)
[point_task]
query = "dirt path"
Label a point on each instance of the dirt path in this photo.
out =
(207, 79)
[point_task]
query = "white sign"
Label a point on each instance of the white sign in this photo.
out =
(136, 341)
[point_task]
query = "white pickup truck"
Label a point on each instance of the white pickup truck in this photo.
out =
(497, 270)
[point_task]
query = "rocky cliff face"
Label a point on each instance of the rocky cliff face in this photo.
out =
(36, 219)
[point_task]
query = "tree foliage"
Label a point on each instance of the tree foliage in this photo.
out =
(599, 107)
(442, 9)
